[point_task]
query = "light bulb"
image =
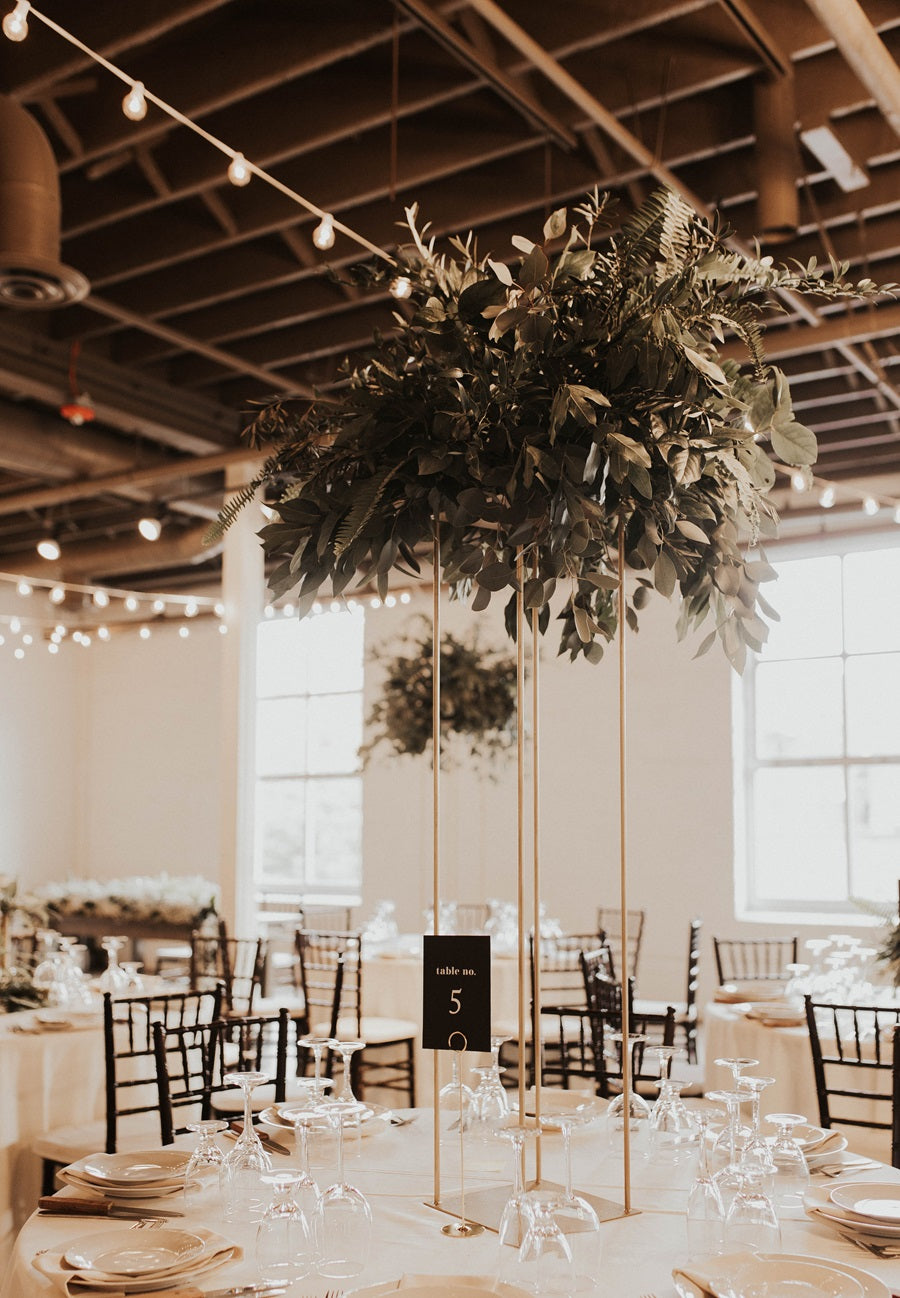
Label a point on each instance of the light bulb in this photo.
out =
(323, 234)
(798, 481)
(870, 506)
(15, 625)
(57, 594)
(144, 633)
(150, 528)
(401, 286)
(48, 548)
(223, 629)
(335, 606)
(287, 610)
(15, 24)
(134, 105)
(77, 636)
(24, 587)
(184, 632)
(159, 606)
(375, 602)
(101, 599)
(55, 637)
(85, 641)
(239, 171)
(828, 497)
(352, 604)
(131, 604)
(405, 597)
(390, 601)
(191, 608)
(53, 647)
(317, 607)
(20, 653)
(60, 630)
(270, 612)
(2, 639)
(102, 632)
(897, 514)
(27, 639)
(219, 610)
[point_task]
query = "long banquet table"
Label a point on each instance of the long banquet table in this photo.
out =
(394, 1170)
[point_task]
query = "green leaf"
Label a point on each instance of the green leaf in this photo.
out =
(494, 576)
(705, 366)
(691, 531)
(664, 575)
(502, 271)
(794, 444)
(582, 624)
(555, 224)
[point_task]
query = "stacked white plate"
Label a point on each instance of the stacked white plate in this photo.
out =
(751, 989)
(371, 1119)
(124, 1260)
(818, 1144)
(867, 1210)
(777, 1274)
(145, 1174)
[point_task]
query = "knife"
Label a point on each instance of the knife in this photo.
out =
(57, 1205)
(236, 1128)
(263, 1290)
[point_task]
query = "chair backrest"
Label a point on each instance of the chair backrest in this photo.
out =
(609, 923)
(130, 1051)
(238, 963)
(857, 1038)
(604, 1011)
(193, 1060)
(693, 968)
(331, 919)
(331, 978)
(764, 958)
(895, 1131)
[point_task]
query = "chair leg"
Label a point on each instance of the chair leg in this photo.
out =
(48, 1176)
(411, 1056)
(356, 1074)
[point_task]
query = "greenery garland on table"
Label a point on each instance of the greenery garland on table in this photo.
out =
(535, 409)
(478, 699)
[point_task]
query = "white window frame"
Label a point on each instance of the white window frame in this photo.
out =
(745, 764)
(267, 887)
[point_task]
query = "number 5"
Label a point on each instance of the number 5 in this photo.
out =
(454, 1000)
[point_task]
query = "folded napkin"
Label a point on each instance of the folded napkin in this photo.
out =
(707, 1277)
(71, 1282)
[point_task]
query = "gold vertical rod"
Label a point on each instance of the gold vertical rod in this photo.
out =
(623, 883)
(536, 1038)
(520, 816)
(436, 810)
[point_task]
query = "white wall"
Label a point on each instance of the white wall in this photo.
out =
(109, 765)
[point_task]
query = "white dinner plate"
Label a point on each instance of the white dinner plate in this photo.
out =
(753, 989)
(128, 1252)
(374, 1118)
(156, 1190)
(807, 1137)
(144, 1167)
(819, 1156)
(817, 1200)
(793, 1275)
(872, 1200)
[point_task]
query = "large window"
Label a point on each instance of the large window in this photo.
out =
(309, 722)
(820, 743)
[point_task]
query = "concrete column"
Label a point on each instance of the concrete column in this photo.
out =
(243, 594)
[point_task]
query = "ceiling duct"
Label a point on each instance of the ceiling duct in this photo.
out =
(31, 274)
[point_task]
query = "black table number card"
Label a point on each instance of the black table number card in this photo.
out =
(456, 993)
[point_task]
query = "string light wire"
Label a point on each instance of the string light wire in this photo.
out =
(232, 154)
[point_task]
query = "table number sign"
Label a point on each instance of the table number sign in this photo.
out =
(456, 993)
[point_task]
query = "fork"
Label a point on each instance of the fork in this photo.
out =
(877, 1250)
(149, 1223)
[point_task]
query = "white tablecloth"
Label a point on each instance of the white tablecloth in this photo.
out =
(786, 1055)
(46, 1080)
(394, 1171)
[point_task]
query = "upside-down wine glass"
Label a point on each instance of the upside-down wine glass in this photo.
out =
(203, 1174)
(673, 1131)
(639, 1109)
(245, 1163)
(751, 1221)
(574, 1215)
(306, 1191)
(728, 1179)
(450, 1102)
(791, 1173)
(342, 1217)
(515, 1218)
(317, 1045)
(705, 1210)
(755, 1151)
(284, 1249)
(346, 1049)
(544, 1264)
(489, 1104)
(114, 978)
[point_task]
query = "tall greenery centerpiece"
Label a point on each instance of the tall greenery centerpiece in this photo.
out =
(536, 409)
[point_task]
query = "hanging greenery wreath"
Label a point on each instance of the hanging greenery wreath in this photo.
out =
(535, 409)
(478, 700)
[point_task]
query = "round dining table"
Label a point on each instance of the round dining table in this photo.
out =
(394, 1169)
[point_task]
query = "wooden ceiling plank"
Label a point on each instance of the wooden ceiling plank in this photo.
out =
(864, 51)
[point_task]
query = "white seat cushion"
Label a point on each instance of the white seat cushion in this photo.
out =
(373, 1031)
(68, 1144)
(232, 1102)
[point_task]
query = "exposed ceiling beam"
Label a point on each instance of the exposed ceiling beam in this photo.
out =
(864, 50)
(90, 559)
(777, 62)
(172, 470)
(513, 91)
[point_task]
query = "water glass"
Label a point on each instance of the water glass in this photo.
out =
(544, 1264)
(791, 1178)
(246, 1163)
(751, 1221)
(284, 1248)
(342, 1218)
(705, 1210)
(204, 1172)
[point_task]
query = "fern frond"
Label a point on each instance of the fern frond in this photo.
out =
(367, 498)
(230, 510)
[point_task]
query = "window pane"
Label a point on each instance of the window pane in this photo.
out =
(335, 733)
(875, 830)
(798, 834)
(799, 709)
(335, 823)
(280, 658)
(281, 737)
(873, 705)
(280, 830)
(872, 610)
(807, 595)
(334, 647)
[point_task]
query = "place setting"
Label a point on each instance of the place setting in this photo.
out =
(144, 1174)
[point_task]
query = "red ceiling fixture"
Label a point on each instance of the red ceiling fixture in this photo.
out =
(78, 409)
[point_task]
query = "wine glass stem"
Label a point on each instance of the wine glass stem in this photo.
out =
(567, 1155)
(754, 1114)
(340, 1154)
(248, 1109)
(304, 1150)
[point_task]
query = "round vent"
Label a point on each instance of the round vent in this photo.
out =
(35, 286)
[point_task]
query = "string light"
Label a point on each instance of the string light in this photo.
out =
(57, 594)
(15, 625)
(102, 632)
(27, 638)
(53, 647)
(20, 653)
(239, 172)
(150, 527)
(828, 497)
(184, 632)
(48, 548)
(323, 234)
(405, 597)
(144, 633)
(134, 105)
(101, 599)
(223, 629)
(871, 506)
(159, 606)
(401, 286)
(15, 24)
(24, 587)
(131, 603)
(191, 608)
(390, 601)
